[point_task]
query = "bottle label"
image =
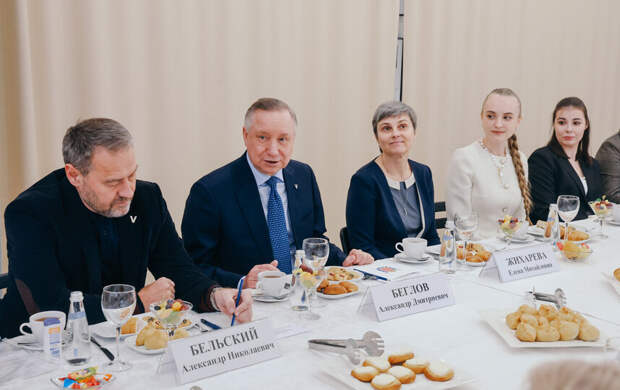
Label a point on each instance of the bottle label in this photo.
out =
(77, 315)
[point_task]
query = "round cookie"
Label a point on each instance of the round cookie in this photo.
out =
(364, 373)
(399, 357)
(416, 364)
(385, 382)
(438, 371)
(403, 374)
(380, 363)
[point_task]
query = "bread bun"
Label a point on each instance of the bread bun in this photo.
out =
(512, 320)
(568, 330)
(334, 289)
(547, 333)
(588, 332)
(526, 332)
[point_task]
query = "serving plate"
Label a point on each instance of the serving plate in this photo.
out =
(358, 275)
(340, 370)
(497, 321)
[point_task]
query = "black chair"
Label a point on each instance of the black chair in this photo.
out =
(344, 240)
(440, 207)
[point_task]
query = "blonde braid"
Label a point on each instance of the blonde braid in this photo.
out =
(524, 185)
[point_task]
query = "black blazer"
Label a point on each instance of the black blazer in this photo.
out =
(373, 222)
(53, 249)
(552, 175)
(224, 227)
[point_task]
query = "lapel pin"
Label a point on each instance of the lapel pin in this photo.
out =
(133, 218)
(295, 185)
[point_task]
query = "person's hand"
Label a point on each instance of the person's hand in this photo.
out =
(225, 299)
(359, 257)
(252, 277)
(162, 288)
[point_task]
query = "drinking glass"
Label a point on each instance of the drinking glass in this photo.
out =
(602, 209)
(568, 207)
(466, 225)
(316, 252)
(118, 302)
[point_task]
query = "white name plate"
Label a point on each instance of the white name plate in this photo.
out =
(405, 297)
(223, 350)
(525, 262)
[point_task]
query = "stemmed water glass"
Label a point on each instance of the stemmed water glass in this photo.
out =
(568, 207)
(466, 225)
(118, 302)
(316, 252)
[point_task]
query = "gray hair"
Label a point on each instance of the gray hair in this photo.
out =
(267, 104)
(390, 109)
(81, 140)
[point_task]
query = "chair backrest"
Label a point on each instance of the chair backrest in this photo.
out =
(344, 240)
(440, 207)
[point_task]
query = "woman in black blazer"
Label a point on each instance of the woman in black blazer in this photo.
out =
(391, 197)
(564, 166)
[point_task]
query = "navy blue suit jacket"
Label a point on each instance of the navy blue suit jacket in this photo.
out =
(224, 226)
(552, 175)
(373, 222)
(53, 249)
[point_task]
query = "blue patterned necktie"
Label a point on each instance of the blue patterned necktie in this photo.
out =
(277, 228)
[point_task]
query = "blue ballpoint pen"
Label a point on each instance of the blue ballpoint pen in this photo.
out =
(239, 288)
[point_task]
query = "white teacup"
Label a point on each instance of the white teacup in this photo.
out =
(36, 323)
(412, 247)
(271, 283)
(615, 212)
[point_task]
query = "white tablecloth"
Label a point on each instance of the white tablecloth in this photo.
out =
(456, 334)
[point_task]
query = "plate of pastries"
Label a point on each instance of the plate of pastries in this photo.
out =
(576, 235)
(153, 339)
(133, 326)
(399, 368)
(545, 327)
(476, 255)
(331, 290)
(341, 274)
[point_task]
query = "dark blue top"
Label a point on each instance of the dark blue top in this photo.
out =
(373, 222)
(107, 235)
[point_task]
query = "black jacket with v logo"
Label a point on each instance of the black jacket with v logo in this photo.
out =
(53, 249)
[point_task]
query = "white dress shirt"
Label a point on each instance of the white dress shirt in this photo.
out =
(474, 185)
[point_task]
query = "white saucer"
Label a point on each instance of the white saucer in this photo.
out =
(257, 296)
(412, 260)
(612, 222)
(520, 240)
(25, 338)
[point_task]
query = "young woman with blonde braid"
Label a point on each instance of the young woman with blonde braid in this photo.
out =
(489, 176)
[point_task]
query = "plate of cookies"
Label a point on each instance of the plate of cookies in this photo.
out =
(545, 327)
(397, 369)
(338, 290)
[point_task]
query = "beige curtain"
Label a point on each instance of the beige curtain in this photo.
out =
(458, 51)
(180, 75)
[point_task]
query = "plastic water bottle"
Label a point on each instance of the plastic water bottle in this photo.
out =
(77, 351)
(553, 226)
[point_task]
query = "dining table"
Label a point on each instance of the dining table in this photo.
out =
(460, 334)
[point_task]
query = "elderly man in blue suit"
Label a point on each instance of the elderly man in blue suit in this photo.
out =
(250, 215)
